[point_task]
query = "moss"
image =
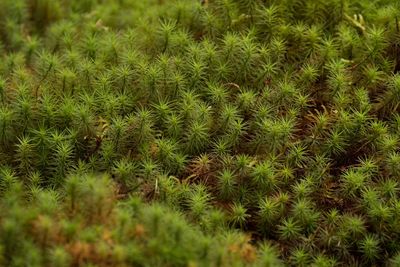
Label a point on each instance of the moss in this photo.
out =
(199, 133)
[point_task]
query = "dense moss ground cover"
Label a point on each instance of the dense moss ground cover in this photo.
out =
(199, 133)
